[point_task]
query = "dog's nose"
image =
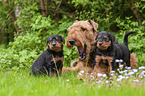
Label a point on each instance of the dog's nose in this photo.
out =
(72, 41)
(100, 44)
(53, 45)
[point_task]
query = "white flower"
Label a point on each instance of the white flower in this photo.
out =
(92, 73)
(142, 72)
(142, 67)
(80, 74)
(121, 72)
(91, 76)
(116, 60)
(127, 77)
(118, 69)
(107, 81)
(120, 66)
(84, 79)
(118, 86)
(120, 60)
(80, 86)
(118, 79)
(135, 70)
(130, 73)
(99, 74)
(112, 74)
(67, 80)
(99, 82)
(112, 71)
(125, 71)
(104, 75)
(82, 71)
(136, 80)
(2, 59)
(129, 68)
(87, 73)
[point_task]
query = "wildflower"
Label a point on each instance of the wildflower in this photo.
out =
(128, 68)
(92, 73)
(142, 72)
(112, 74)
(80, 74)
(116, 60)
(127, 77)
(120, 66)
(107, 81)
(99, 74)
(135, 70)
(118, 86)
(91, 76)
(80, 86)
(87, 73)
(130, 73)
(104, 75)
(82, 71)
(136, 80)
(120, 60)
(118, 69)
(140, 76)
(121, 72)
(125, 71)
(121, 77)
(110, 77)
(84, 79)
(112, 71)
(118, 79)
(67, 80)
(126, 74)
(2, 59)
(142, 67)
(99, 82)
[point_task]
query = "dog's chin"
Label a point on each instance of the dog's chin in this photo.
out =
(102, 47)
(56, 49)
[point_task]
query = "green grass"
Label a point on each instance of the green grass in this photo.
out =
(21, 84)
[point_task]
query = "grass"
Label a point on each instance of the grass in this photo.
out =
(21, 84)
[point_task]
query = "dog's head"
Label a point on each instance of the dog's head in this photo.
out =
(104, 40)
(55, 42)
(81, 34)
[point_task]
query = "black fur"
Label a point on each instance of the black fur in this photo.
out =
(45, 63)
(115, 50)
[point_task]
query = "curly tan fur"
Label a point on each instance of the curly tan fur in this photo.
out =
(83, 32)
(133, 60)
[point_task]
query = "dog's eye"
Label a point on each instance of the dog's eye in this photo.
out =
(83, 29)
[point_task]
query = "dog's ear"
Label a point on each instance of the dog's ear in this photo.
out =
(112, 37)
(94, 24)
(62, 39)
(96, 35)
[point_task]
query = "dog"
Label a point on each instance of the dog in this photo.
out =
(50, 62)
(107, 51)
(82, 35)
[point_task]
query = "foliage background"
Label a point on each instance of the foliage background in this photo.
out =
(26, 24)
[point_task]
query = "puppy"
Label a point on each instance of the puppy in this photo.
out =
(107, 50)
(50, 62)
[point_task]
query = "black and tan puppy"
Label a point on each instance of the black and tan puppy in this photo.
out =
(50, 62)
(108, 51)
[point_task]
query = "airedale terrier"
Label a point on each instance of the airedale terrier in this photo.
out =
(108, 51)
(82, 35)
(50, 62)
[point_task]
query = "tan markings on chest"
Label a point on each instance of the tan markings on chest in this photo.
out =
(57, 59)
(99, 58)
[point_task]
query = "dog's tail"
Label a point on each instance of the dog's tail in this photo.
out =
(126, 37)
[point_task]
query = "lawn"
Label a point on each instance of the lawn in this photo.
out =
(22, 84)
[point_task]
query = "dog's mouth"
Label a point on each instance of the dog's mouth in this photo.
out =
(82, 52)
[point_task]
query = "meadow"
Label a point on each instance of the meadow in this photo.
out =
(20, 83)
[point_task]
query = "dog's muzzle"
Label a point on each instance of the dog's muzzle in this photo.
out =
(72, 41)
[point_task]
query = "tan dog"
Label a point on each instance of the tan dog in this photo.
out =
(82, 35)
